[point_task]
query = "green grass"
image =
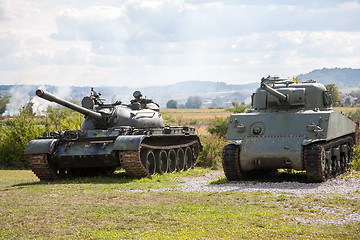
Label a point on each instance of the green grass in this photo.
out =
(103, 208)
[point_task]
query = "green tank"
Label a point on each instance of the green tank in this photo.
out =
(291, 126)
(129, 136)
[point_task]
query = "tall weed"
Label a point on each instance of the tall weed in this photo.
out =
(210, 156)
(355, 165)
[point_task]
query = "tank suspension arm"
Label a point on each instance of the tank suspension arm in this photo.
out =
(48, 96)
(279, 95)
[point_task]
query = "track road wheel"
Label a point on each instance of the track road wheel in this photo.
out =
(196, 151)
(180, 159)
(162, 163)
(172, 161)
(189, 163)
(148, 161)
(231, 162)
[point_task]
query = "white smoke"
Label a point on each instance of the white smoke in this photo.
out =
(19, 96)
(22, 95)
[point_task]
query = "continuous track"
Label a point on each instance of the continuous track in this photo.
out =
(41, 166)
(231, 162)
(328, 159)
(134, 163)
(321, 160)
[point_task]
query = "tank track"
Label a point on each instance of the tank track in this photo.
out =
(131, 160)
(41, 166)
(328, 159)
(231, 162)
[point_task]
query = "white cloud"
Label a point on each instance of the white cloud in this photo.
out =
(165, 41)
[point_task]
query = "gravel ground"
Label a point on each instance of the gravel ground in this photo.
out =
(341, 185)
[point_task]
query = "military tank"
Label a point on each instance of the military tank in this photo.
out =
(129, 136)
(291, 126)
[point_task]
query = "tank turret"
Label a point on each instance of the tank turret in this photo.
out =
(276, 93)
(140, 113)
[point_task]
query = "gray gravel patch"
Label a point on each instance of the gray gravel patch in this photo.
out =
(340, 185)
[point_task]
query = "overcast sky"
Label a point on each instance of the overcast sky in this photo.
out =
(135, 42)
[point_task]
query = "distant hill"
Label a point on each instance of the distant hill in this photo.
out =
(206, 90)
(344, 78)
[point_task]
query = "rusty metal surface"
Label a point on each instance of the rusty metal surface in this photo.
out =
(42, 168)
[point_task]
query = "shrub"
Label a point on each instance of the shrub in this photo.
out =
(219, 126)
(238, 108)
(15, 137)
(16, 133)
(168, 120)
(353, 115)
(210, 156)
(355, 165)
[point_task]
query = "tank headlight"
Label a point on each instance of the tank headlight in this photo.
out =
(257, 130)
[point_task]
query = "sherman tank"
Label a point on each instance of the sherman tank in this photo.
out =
(129, 136)
(291, 126)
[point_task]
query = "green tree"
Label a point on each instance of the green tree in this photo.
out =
(172, 104)
(193, 102)
(347, 101)
(335, 94)
(217, 102)
(3, 102)
(61, 118)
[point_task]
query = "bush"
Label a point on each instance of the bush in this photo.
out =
(354, 115)
(15, 137)
(19, 131)
(219, 126)
(355, 165)
(210, 156)
(168, 120)
(238, 108)
(61, 118)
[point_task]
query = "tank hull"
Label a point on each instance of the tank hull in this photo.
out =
(89, 152)
(280, 139)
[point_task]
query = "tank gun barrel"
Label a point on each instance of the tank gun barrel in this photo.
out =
(279, 95)
(48, 96)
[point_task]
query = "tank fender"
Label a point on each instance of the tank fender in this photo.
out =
(306, 142)
(236, 142)
(41, 146)
(131, 142)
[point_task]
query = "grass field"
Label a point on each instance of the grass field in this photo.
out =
(121, 208)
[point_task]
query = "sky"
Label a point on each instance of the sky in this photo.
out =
(142, 43)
